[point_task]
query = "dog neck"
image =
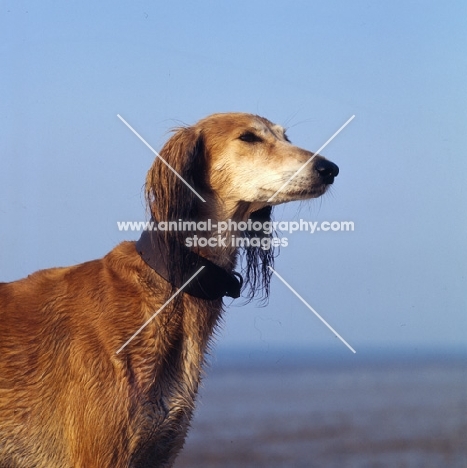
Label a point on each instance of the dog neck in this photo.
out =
(224, 247)
(200, 277)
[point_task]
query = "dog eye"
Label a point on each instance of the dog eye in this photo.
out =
(249, 137)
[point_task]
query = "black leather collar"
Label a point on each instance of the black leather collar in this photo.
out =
(212, 282)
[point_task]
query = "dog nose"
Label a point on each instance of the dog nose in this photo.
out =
(327, 170)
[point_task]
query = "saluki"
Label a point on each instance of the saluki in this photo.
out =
(75, 390)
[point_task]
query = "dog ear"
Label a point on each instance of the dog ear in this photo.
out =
(262, 215)
(259, 258)
(173, 178)
(170, 182)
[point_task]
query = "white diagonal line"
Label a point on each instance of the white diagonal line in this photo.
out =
(311, 159)
(313, 310)
(140, 329)
(162, 159)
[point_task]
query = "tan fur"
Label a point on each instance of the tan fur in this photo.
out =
(67, 400)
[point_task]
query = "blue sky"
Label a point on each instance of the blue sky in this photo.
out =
(70, 169)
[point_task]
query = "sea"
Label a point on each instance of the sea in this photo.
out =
(294, 408)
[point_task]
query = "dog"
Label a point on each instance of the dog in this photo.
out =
(78, 387)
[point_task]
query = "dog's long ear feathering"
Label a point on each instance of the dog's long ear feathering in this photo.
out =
(259, 258)
(168, 197)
